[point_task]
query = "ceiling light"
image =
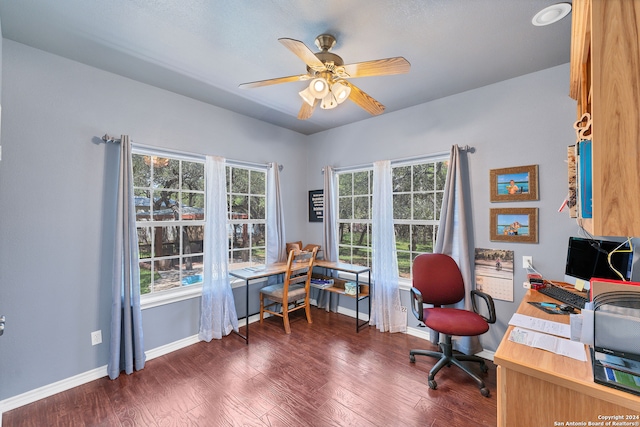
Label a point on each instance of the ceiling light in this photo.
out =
(341, 91)
(551, 14)
(319, 88)
(307, 96)
(329, 102)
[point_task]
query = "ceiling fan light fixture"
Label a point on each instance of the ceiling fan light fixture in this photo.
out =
(319, 88)
(341, 91)
(307, 96)
(329, 102)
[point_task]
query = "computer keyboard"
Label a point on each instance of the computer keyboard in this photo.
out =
(564, 296)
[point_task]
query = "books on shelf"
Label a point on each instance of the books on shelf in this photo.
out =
(585, 179)
(321, 283)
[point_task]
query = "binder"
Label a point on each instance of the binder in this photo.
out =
(585, 178)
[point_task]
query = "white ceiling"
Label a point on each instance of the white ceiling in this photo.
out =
(205, 48)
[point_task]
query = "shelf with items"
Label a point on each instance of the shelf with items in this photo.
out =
(338, 286)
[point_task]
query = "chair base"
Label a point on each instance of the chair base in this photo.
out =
(447, 358)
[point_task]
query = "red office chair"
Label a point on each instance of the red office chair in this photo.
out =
(437, 280)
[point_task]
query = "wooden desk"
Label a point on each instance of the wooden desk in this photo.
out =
(540, 388)
(339, 289)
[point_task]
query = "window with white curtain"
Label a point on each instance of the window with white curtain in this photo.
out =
(170, 216)
(418, 188)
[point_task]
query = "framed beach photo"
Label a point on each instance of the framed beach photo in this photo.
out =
(514, 184)
(514, 225)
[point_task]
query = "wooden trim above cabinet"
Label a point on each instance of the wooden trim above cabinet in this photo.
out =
(580, 46)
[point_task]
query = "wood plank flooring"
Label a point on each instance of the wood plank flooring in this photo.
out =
(323, 374)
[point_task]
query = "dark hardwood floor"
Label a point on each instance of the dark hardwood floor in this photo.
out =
(323, 374)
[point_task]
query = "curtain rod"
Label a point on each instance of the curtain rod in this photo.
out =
(400, 160)
(110, 139)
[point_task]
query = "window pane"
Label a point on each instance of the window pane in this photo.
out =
(166, 172)
(361, 207)
(240, 236)
(344, 254)
(141, 170)
(258, 256)
(404, 264)
(441, 174)
(239, 181)
(423, 177)
(422, 238)
(345, 184)
(143, 207)
(402, 179)
(144, 242)
(345, 210)
(166, 274)
(192, 271)
(402, 206)
(239, 207)
(258, 234)
(360, 234)
(361, 182)
(422, 206)
(258, 182)
(192, 176)
(360, 256)
(146, 277)
(438, 204)
(403, 237)
(166, 241)
(193, 239)
(241, 256)
(192, 206)
(344, 233)
(165, 206)
(257, 207)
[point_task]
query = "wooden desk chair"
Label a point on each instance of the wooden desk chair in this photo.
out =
(293, 293)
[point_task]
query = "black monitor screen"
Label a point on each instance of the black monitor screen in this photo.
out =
(587, 258)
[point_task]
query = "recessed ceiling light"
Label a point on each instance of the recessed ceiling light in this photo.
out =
(551, 14)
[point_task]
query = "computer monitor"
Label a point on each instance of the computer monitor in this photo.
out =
(588, 258)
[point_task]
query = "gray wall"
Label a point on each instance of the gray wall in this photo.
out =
(57, 189)
(57, 192)
(523, 121)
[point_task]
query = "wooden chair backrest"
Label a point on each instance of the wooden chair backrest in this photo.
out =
(299, 268)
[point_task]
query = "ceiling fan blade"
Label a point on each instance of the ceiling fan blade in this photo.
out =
(364, 101)
(307, 110)
(268, 82)
(303, 52)
(378, 67)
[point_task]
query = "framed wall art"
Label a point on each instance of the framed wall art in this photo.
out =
(518, 225)
(514, 184)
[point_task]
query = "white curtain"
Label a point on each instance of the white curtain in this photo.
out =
(218, 315)
(126, 348)
(385, 303)
(455, 234)
(276, 239)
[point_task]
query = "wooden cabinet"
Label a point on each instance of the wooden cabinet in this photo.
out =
(605, 82)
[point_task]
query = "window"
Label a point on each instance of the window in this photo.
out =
(417, 198)
(246, 189)
(170, 217)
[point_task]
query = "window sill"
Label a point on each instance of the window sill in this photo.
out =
(176, 295)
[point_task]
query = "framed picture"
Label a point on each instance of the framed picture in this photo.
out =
(514, 184)
(514, 225)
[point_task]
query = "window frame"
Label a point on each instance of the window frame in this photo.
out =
(155, 299)
(405, 282)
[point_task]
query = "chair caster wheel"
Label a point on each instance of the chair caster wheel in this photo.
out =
(433, 385)
(412, 358)
(484, 368)
(484, 391)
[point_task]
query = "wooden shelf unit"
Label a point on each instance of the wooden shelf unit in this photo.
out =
(338, 286)
(605, 82)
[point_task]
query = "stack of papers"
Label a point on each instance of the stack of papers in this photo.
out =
(546, 335)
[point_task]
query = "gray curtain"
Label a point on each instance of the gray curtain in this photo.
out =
(276, 239)
(455, 234)
(126, 349)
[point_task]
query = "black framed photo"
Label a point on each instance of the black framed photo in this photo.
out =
(316, 205)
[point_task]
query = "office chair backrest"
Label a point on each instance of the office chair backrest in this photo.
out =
(438, 278)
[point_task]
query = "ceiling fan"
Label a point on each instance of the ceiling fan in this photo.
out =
(328, 74)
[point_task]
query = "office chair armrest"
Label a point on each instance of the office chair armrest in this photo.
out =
(489, 302)
(416, 304)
